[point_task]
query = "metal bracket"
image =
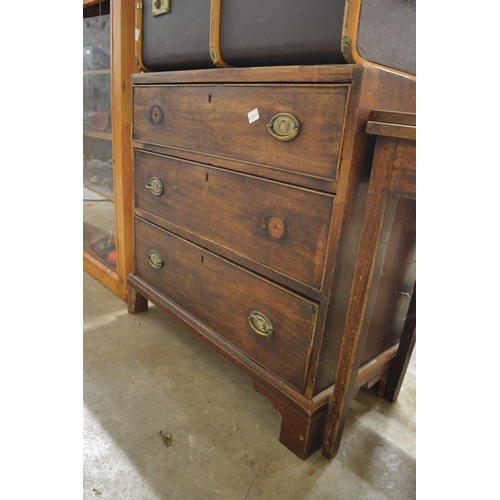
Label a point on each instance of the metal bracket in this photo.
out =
(160, 7)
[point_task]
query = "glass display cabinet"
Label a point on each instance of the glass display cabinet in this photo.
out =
(108, 62)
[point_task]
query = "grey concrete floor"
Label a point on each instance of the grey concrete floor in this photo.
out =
(144, 374)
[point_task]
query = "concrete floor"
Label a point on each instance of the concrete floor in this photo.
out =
(144, 374)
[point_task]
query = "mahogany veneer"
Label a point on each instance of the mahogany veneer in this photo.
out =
(250, 241)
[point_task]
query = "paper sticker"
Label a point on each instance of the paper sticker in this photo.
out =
(253, 115)
(137, 34)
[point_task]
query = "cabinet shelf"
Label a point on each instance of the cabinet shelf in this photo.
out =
(104, 194)
(106, 136)
(97, 72)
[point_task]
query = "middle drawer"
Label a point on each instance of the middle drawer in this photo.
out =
(279, 226)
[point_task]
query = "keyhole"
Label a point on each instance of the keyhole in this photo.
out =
(209, 97)
(206, 177)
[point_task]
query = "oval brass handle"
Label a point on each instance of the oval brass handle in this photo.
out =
(154, 259)
(283, 126)
(155, 186)
(260, 323)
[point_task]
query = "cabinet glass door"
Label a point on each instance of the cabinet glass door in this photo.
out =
(99, 239)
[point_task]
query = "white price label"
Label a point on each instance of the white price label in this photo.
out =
(253, 116)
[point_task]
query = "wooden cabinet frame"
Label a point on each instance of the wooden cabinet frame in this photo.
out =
(122, 66)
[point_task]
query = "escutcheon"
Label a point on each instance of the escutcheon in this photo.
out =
(260, 323)
(283, 126)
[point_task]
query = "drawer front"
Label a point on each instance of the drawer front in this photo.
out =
(215, 120)
(279, 226)
(223, 296)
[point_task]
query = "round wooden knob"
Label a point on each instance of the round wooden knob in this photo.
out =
(274, 227)
(156, 114)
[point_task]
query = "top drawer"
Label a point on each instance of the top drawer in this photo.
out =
(256, 124)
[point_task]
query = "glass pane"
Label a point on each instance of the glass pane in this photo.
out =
(98, 195)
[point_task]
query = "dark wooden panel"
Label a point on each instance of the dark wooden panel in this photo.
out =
(404, 170)
(374, 90)
(271, 74)
(213, 119)
(394, 117)
(393, 277)
(282, 227)
(391, 130)
(222, 295)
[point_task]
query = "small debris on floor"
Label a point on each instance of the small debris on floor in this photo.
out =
(167, 437)
(97, 492)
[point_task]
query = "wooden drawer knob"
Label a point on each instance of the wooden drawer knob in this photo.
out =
(274, 227)
(260, 323)
(155, 114)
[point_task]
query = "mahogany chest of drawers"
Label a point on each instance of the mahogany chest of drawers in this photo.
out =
(249, 197)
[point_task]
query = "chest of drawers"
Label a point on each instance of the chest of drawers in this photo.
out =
(249, 196)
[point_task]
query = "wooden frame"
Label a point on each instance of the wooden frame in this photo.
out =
(122, 66)
(392, 178)
(89, 3)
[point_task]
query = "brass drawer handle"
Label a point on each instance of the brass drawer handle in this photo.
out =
(155, 186)
(155, 260)
(260, 323)
(283, 126)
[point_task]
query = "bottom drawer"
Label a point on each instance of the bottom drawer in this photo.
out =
(269, 323)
